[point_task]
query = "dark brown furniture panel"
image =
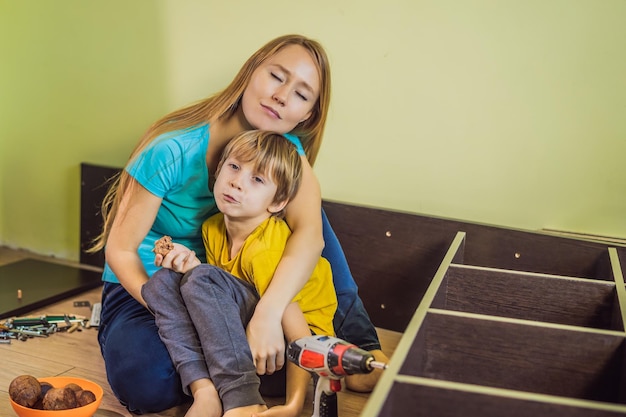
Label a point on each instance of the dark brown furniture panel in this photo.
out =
(517, 356)
(94, 183)
(41, 283)
(415, 400)
(539, 297)
(404, 250)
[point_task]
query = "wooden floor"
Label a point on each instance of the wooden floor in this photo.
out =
(78, 354)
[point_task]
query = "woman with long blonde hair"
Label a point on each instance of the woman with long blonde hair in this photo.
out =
(166, 189)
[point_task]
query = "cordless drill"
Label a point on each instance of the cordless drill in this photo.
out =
(331, 359)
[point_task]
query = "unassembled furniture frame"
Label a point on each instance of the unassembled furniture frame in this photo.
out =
(493, 342)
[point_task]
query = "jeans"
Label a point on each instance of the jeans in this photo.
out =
(139, 368)
(351, 322)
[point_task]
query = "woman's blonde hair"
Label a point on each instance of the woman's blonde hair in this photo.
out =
(224, 105)
(273, 155)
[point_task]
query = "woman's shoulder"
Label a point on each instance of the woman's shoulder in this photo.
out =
(296, 141)
(184, 139)
(176, 147)
(170, 159)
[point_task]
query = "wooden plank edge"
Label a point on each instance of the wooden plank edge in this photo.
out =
(532, 323)
(618, 277)
(381, 391)
(513, 394)
(532, 274)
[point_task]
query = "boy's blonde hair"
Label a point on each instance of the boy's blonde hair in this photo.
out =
(273, 155)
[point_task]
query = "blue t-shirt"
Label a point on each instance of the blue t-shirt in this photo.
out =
(173, 167)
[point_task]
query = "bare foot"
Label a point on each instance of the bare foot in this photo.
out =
(367, 382)
(245, 411)
(206, 403)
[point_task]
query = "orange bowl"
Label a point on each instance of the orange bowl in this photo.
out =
(59, 382)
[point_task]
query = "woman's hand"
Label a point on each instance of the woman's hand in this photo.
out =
(266, 340)
(180, 259)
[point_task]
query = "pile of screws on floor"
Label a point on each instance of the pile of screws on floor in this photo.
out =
(24, 328)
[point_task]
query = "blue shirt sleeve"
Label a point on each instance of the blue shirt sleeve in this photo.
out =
(296, 141)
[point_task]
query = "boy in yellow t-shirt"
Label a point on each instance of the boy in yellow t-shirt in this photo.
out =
(202, 315)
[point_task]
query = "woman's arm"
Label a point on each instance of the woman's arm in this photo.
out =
(304, 247)
(135, 216)
(295, 326)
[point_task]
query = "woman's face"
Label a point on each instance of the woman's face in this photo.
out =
(282, 91)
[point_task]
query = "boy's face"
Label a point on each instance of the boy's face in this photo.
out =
(241, 192)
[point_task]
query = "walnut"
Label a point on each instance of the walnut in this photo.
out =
(25, 390)
(84, 397)
(163, 246)
(73, 387)
(59, 399)
(45, 386)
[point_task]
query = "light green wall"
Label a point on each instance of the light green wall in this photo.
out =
(501, 112)
(79, 81)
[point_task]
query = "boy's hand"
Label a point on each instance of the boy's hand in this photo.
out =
(267, 343)
(180, 259)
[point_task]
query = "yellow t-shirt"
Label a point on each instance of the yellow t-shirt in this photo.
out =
(257, 261)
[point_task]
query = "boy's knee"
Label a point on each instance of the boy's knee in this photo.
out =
(161, 279)
(161, 284)
(206, 276)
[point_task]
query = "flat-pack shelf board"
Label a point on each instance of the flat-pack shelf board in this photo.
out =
(490, 342)
(530, 296)
(41, 283)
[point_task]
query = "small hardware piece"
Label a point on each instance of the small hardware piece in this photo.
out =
(84, 303)
(73, 328)
(95, 315)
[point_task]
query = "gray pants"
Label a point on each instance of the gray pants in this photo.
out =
(202, 318)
